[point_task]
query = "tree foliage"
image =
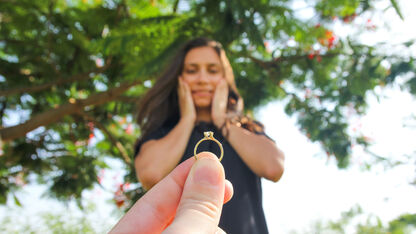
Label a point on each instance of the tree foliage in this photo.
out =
(355, 221)
(62, 220)
(72, 72)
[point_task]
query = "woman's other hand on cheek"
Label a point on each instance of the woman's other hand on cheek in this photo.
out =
(219, 103)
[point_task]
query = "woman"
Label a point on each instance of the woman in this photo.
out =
(197, 93)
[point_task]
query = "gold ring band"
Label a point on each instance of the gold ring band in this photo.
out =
(209, 136)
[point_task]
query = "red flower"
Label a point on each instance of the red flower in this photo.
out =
(318, 58)
(328, 34)
(119, 197)
(100, 176)
(123, 120)
(119, 203)
(90, 137)
(129, 129)
(349, 18)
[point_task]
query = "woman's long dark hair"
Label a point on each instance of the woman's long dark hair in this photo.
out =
(160, 105)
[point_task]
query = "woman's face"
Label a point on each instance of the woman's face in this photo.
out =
(202, 71)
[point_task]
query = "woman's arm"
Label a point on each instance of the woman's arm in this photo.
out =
(258, 152)
(159, 157)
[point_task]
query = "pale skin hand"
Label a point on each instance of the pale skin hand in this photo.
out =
(188, 200)
(219, 104)
(186, 104)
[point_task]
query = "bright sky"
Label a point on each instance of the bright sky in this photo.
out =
(312, 188)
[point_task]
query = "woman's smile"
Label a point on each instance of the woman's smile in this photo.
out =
(201, 93)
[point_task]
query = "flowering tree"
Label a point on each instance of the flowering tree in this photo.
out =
(71, 73)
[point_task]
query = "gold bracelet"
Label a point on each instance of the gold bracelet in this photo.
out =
(209, 136)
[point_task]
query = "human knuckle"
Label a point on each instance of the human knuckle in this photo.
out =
(206, 208)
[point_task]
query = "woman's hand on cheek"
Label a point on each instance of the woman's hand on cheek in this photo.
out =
(186, 104)
(219, 103)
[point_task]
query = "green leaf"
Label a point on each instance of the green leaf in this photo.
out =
(396, 7)
(16, 200)
(409, 43)
(412, 85)
(3, 198)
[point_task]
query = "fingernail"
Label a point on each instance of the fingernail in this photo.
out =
(206, 171)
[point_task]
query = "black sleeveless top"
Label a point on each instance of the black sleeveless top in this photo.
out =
(243, 214)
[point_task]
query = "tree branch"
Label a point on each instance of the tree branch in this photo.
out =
(276, 61)
(2, 110)
(113, 140)
(59, 81)
(54, 115)
(128, 99)
(175, 6)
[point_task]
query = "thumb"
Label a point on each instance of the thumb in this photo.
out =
(202, 198)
